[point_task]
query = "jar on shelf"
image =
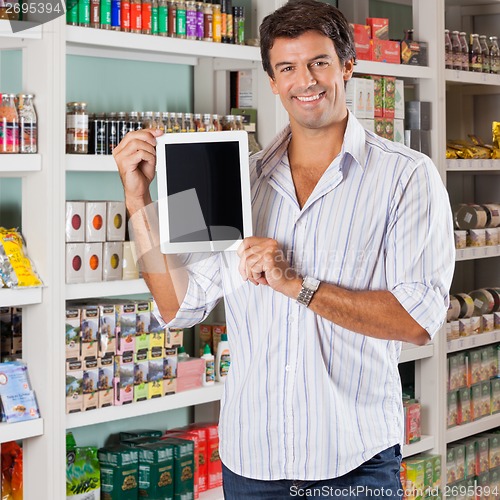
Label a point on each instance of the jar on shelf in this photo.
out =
(172, 18)
(121, 125)
(198, 124)
(98, 140)
(77, 128)
(148, 120)
(136, 16)
(207, 123)
(207, 21)
(180, 19)
(28, 131)
(174, 124)
(9, 125)
(189, 122)
(229, 22)
(166, 122)
(229, 123)
(239, 25)
(494, 55)
(111, 132)
(158, 122)
(146, 17)
(238, 120)
(216, 21)
(200, 33)
(191, 18)
(216, 123)
(162, 18)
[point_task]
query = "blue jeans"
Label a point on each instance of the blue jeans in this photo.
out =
(378, 478)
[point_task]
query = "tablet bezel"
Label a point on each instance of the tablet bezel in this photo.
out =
(241, 137)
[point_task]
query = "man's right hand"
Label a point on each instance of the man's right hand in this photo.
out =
(135, 157)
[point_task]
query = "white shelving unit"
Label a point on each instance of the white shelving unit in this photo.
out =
(106, 289)
(29, 30)
(173, 402)
(214, 494)
(473, 341)
(44, 178)
(472, 253)
(21, 430)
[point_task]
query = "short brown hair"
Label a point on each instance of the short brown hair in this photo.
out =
(299, 16)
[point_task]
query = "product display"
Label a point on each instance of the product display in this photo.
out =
(207, 20)
(18, 124)
(471, 53)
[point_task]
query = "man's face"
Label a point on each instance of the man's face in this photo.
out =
(309, 79)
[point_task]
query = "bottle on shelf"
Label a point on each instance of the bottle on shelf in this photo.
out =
(209, 374)
(84, 13)
(122, 125)
(239, 25)
(77, 128)
(200, 23)
(148, 121)
(494, 55)
(97, 138)
(189, 123)
(125, 15)
(182, 355)
(229, 23)
(95, 13)
(146, 17)
(133, 119)
(172, 18)
(115, 15)
(448, 58)
(28, 131)
(166, 122)
(105, 14)
(154, 17)
(112, 131)
(222, 359)
(485, 51)
(475, 54)
(465, 51)
(135, 16)
(208, 123)
(174, 124)
(456, 50)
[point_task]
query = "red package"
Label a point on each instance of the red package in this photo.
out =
(214, 464)
(362, 35)
(385, 51)
(379, 27)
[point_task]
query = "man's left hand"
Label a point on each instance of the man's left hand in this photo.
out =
(262, 262)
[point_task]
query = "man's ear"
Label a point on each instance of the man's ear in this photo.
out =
(274, 87)
(348, 69)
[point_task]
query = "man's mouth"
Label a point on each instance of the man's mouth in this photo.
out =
(309, 98)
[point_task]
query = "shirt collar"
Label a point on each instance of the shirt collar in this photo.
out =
(354, 145)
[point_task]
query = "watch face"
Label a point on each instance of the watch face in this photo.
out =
(311, 283)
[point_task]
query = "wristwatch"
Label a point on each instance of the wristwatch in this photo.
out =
(309, 287)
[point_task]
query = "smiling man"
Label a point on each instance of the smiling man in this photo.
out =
(353, 254)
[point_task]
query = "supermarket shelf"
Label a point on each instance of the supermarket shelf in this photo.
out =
(426, 443)
(214, 494)
(20, 164)
(466, 430)
(472, 165)
(473, 341)
(21, 430)
(29, 30)
(166, 403)
(471, 253)
(456, 76)
(106, 289)
(398, 70)
(411, 352)
(91, 163)
(20, 297)
(132, 45)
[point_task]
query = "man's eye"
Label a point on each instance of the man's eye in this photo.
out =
(287, 68)
(320, 63)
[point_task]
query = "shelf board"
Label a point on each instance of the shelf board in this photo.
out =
(29, 30)
(106, 289)
(213, 494)
(91, 163)
(472, 165)
(20, 164)
(398, 70)
(21, 430)
(20, 296)
(473, 341)
(457, 76)
(426, 443)
(471, 253)
(132, 43)
(166, 403)
(466, 430)
(411, 352)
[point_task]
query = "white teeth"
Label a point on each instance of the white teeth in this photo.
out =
(308, 99)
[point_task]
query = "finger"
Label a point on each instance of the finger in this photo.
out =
(242, 266)
(244, 245)
(148, 135)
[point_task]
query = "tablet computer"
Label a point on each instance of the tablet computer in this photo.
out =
(203, 191)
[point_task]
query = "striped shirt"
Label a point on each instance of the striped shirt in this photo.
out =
(306, 399)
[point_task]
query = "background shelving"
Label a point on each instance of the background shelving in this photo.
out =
(21, 430)
(106, 289)
(20, 297)
(482, 425)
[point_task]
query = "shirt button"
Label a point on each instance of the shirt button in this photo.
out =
(287, 368)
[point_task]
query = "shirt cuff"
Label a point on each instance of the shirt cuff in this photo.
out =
(425, 304)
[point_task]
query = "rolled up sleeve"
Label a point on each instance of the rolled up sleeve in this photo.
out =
(420, 257)
(203, 292)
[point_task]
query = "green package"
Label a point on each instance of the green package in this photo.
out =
(119, 473)
(183, 468)
(82, 473)
(156, 471)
